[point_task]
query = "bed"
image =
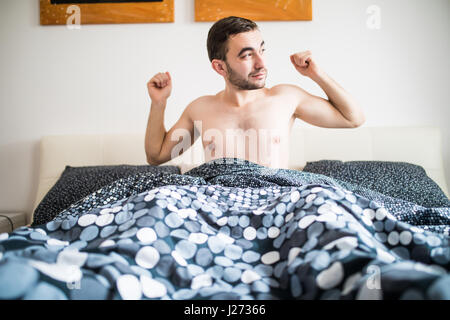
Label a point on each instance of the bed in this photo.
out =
(361, 214)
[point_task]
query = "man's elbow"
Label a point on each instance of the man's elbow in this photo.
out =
(153, 161)
(358, 123)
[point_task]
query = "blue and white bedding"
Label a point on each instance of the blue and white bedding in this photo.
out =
(231, 229)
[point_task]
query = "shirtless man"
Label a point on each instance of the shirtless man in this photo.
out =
(246, 120)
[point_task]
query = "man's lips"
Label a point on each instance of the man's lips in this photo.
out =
(259, 75)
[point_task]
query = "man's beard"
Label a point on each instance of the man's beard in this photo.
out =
(243, 84)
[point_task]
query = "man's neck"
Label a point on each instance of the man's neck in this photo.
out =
(241, 98)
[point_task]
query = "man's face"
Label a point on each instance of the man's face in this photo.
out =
(246, 68)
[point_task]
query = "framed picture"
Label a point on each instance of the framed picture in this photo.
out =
(257, 10)
(57, 12)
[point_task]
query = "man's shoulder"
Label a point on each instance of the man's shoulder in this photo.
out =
(288, 91)
(201, 101)
(198, 104)
(286, 88)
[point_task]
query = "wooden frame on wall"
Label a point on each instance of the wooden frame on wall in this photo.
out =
(257, 10)
(54, 12)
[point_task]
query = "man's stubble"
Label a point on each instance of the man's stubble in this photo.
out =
(242, 84)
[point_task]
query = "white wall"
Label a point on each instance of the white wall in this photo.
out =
(59, 81)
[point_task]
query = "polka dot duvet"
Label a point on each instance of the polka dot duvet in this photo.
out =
(231, 229)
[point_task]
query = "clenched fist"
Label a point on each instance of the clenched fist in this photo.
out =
(159, 87)
(305, 64)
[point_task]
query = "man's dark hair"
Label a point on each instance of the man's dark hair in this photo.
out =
(221, 30)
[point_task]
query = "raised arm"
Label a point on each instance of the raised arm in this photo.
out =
(339, 111)
(161, 145)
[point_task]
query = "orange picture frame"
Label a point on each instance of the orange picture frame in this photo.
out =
(257, 10)
(106, 13)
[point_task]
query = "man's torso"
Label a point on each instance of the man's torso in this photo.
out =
(258, 132)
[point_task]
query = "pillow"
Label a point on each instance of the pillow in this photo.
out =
(76, 183)
(396, 179)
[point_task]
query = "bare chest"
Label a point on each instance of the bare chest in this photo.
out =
(238, 121)
(248, 133)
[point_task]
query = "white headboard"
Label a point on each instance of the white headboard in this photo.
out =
(417, 145)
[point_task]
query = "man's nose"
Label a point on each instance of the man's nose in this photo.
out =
(259, 61)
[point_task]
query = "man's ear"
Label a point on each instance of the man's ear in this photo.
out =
(219, 66)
